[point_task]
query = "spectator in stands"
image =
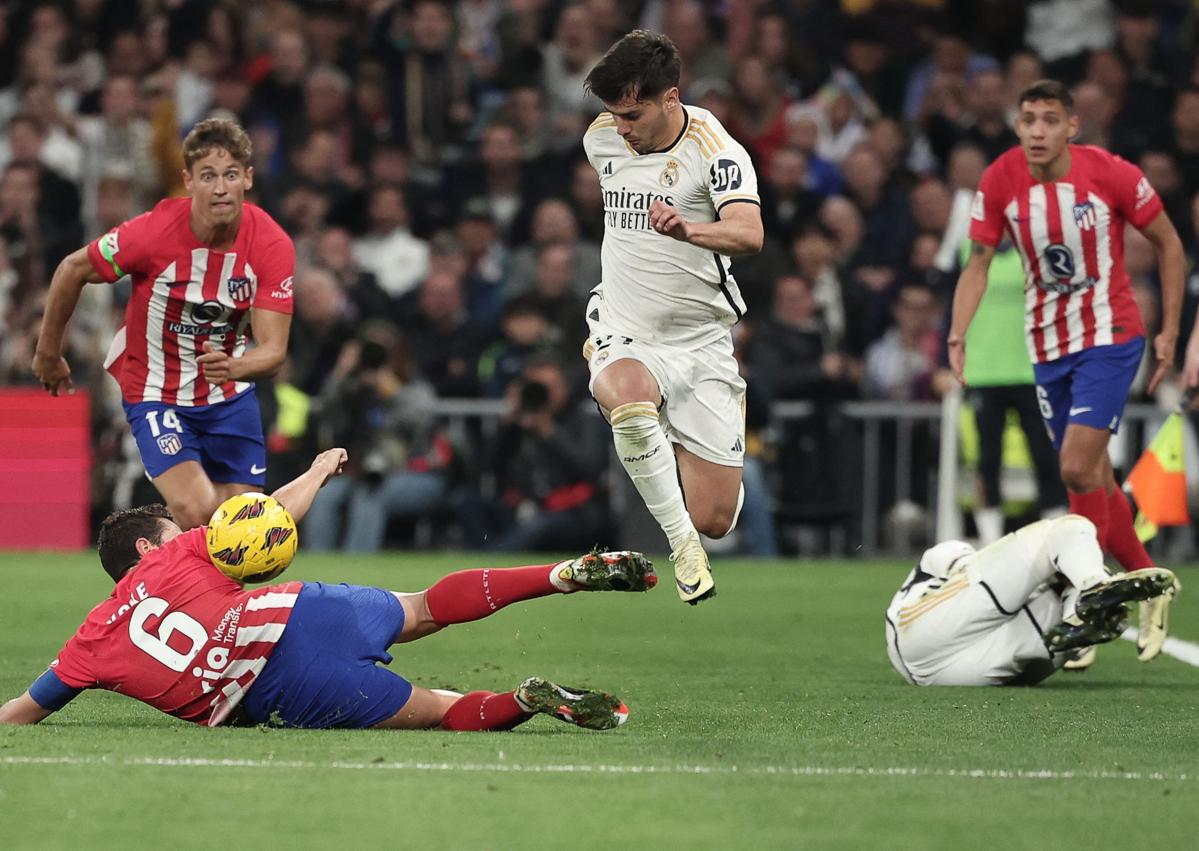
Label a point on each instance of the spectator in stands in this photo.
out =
(565, 62)
(446, 344)
(58, 196)
(486, 263)
(335, 252)
(116, 144)
(557, 298)
(555, 223)
(1096, 111)
(789, 351)
(685, 23)
(900, 366)
(278, 100)
(550, 458)
(389, 251)
(787, 204)
(324, 320)
(984, 123)
(1185, 144)
(382, 413)
(525, 331)
(814, 253)
(588, 201)
(759, 111)
(507, 184)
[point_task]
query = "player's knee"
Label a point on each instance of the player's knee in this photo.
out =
(1075, 524)
(634, 419)
(190, 513)
(715, 523)
(1079, 476)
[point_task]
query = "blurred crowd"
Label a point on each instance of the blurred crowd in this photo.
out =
(426, 159)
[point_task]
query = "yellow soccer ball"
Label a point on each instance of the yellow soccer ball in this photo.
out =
(252, 538)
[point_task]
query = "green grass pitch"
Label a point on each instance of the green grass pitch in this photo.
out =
(766, 718)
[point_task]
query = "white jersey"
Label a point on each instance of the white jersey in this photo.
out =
(655, 287)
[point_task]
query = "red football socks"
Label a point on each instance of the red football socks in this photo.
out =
(484, 710)
(1122, 540)
(472, 594)
(1092, 505)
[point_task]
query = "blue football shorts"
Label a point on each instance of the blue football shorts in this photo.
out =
(225, 439)
(1088, 387)
(326, 670)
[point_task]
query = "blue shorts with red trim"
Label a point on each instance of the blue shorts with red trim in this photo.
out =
(1088, 387)
(326, 670)
(225, 439)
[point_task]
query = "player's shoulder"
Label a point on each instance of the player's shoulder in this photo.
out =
(601, 137)
(264, 224)
(168, 215)
(707, 135)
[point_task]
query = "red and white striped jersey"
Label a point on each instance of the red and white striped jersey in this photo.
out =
(186, 294)
(178, 634)
(1070, 235)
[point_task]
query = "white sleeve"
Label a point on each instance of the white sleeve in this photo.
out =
(731, 177)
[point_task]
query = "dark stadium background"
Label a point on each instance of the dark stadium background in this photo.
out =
(426, 159)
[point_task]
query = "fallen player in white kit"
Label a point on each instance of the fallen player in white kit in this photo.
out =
(1013, 612)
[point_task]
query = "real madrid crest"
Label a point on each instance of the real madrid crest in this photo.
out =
(670, 175)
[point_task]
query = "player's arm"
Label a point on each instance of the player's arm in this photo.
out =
(49, 365)
(297, 495)
(23, 710)
(971, 286)
(271, 330)
(1171, 265)
(737, 230)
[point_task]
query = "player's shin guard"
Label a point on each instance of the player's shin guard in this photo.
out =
(1073, 549)
(1093, 506)
(648, 458)
(469, 595)
(485, 710)
(1122, 540)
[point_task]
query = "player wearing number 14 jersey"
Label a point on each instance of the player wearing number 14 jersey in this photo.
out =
(207, 271)
(1064, 208)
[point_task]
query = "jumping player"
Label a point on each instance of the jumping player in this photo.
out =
(1064, 207)
(1013, 612)
(181, 636)
(206, 270)
(680, 197)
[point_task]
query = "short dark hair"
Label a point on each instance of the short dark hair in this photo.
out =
(1047, 90)
(117, 543)
(217, 133)
(642, 65)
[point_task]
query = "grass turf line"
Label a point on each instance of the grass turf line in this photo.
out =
(785, 669)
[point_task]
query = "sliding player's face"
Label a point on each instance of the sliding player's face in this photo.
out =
(1045, 127)
(218, 184)
(645, 124)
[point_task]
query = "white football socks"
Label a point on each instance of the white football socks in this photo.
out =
(1074, 551)
(648, 458)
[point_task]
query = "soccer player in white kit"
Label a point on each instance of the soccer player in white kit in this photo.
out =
(680, 198)
(1013, 612)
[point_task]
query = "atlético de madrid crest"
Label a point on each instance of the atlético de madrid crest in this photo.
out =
(240, 289)
(670, 175)
(1084, 215)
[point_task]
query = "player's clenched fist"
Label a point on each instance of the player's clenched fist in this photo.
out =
(53, 372)
(217, 365)
(666, 220)
(330, 462)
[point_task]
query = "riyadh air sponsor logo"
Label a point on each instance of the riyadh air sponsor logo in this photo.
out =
(285, 288)
(1144, 192)
(978, 210)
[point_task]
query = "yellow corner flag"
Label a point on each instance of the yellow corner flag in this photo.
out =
(1158, 481)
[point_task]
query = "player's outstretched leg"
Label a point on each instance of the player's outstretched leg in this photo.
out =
(469, 595)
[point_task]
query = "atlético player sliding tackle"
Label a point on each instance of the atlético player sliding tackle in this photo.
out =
(206, 270)
(180, 635)
(1064, 207)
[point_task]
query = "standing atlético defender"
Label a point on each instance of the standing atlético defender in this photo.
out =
(1065, 207)
(680, 198)
(207, 270)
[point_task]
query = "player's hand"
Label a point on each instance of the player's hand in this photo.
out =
(666, 220)
(1190, 369)
(1163, 350)
(53, 372)
(218, 366)
(330, 463)
(957, 360)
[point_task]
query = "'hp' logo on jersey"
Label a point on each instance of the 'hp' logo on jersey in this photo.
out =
(170, 444)
(725, 176)
(1084, 216)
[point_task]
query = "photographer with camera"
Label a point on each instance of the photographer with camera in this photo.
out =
(550, 459)
(377, 407)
